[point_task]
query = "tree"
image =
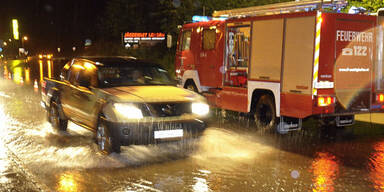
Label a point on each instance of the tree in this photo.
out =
(370, 5)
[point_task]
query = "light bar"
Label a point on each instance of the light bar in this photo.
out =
(278, 8)
(198, 18)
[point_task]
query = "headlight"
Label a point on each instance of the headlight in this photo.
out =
(200, 108)
(128, 110)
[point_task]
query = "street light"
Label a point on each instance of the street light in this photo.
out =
(25, 38)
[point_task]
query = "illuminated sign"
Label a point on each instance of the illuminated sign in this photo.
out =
(15, 26)
(136, 37)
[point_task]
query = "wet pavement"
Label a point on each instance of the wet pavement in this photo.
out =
(232, 155)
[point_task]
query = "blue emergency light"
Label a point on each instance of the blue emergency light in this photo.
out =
(198, 18)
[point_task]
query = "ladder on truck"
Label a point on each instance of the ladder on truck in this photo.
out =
(280, 8)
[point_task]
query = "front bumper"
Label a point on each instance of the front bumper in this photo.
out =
(143, 133)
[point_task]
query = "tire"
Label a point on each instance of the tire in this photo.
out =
(56, 121)
(191, 86)
(265, 113)
(106, 143)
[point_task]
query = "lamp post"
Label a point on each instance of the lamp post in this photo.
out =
(25, 38)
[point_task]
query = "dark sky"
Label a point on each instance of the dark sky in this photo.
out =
(51, 23)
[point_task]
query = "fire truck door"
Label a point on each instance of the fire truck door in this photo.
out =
(210, 57)
(184, 57)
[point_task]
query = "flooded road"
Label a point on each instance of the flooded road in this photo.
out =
(232, 155)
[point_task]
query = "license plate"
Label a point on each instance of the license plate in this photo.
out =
(166, 134)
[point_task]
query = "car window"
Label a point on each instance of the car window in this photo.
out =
(138, 75)
(73, 73)
(209, 39)
(186, 43)
(87, 74)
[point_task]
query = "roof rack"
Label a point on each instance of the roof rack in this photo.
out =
(279, 8)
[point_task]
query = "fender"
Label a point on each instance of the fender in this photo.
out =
(274, 87)
(194, 75)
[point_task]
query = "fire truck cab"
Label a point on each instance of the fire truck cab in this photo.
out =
(286, 62)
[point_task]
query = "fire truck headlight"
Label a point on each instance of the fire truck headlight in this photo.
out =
(200, 109)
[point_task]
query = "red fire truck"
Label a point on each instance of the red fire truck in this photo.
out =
(285, 62)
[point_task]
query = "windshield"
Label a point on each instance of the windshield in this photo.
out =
(132, 76)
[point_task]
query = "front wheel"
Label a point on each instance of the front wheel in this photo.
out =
(105, 141)
(56, 121)
(265, 113)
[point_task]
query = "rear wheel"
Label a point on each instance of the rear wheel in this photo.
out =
(56, 121)
(265, 113)
(105, 141)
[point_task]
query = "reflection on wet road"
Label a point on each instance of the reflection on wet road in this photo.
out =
(232, 155)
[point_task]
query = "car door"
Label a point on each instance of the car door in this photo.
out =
(84, 99)
(66, 97)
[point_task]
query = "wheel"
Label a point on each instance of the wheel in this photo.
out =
(104, 139)
(190, 86)
(265, 113)
(56, 121)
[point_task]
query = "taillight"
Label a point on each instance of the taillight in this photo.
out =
(323, 101)
(380, 97)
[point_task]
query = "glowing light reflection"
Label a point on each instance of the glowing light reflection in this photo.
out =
(49, 68)
(201, 185)
(18, 75)
(376, 167)
(325, 170)
(27, 75)
(41, 70)
(5, 72)
(67, 183)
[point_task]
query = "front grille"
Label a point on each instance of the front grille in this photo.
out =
(169, 109)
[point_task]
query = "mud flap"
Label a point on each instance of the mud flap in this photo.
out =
(345, 120)
(287, 124)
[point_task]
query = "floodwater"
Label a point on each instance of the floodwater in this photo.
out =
(232, 155)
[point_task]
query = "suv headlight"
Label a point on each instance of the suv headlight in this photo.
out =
(128, 110)
(200, 109)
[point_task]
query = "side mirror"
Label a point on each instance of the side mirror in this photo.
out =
(169, 41)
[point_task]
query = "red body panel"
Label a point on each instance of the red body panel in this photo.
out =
(302, 107)
(233, 98)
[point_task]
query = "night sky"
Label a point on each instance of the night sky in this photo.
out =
(51, 23)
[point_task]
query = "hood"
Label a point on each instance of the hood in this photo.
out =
(152, 94)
